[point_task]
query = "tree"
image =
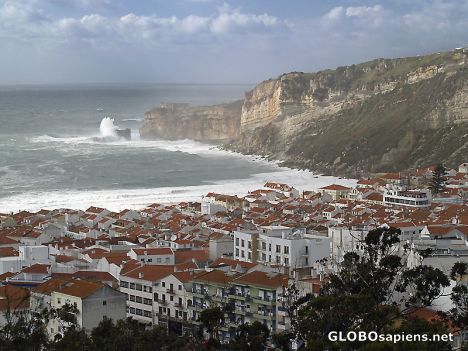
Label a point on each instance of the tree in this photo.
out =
(437, 182)
(212, 319)
(250, 337)
(372, 291)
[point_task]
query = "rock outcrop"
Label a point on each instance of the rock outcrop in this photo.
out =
(218, 123)
(382, 115)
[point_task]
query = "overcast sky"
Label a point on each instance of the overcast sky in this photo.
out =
(213, 41)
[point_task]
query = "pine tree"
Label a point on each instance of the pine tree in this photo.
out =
(437, 182)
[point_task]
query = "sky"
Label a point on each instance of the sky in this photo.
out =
(213, 41)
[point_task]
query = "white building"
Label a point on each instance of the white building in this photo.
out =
(278, 245)
(172, 297)
(93, 302)
(155, 255)
(139, 286)
(396, 196)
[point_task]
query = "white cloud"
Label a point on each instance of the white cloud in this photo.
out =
(364, 11)
(335, 13)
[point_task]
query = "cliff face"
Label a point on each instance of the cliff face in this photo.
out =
(204, 123)
(382, 115)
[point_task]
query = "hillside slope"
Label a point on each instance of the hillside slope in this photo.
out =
(381, 115)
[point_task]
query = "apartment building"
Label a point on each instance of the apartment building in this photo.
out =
(399, 197)
(172, 296)
(281, 246)
(139, 287)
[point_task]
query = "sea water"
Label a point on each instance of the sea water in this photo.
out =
(58, 148)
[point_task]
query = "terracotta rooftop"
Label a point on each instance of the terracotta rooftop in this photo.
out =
(335, 187)
(187, 255)
(49, 286)
(150, 273)
(263, 279)
(79, 288)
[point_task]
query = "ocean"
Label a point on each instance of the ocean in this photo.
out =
(55, 150)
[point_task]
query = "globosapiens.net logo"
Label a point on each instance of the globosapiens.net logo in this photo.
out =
(372, 336)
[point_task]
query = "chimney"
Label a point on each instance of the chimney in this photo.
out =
(145, 252)
(140, 275)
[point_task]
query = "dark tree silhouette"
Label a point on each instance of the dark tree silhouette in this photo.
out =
(437, 182)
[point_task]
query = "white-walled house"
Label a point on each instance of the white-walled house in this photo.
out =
(155, 255)
(93, 302)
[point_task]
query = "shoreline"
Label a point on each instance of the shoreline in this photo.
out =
(118, 199)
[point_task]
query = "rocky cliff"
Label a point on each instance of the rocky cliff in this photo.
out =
(218, 123)
(382, 115)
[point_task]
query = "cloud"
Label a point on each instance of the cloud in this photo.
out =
(227, 44)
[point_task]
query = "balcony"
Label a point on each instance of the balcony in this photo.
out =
(200, 292)
(282, 311)
(162, 302)
(170, 291)
(265, 315)
(268, 301)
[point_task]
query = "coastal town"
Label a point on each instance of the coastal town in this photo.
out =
(166, 263)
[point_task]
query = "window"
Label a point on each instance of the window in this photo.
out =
(52, 330)
(123, 284)
(172, 287)
(59, 301)
(286, 261)
(138, 299)
(237, 241)
(132, 298)
(139, 312)
(147, 301)
(171, 297)
(249, 255)
(139, 287)
(104, 302)
(132, 310)
(242, 242)
(286, 249)
(263, 245)
(278, 248)
(278, 259)
(163, 284)
(150, 260)
(269, 247)
(132, 285)
(147, 314)
(180, 287)
(156, 297)
(263, 257)
(249, 244)
(242, 254)
(180, 301)
(307, 249)
(237, 252)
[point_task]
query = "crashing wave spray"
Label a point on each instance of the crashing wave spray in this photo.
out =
(107, 128)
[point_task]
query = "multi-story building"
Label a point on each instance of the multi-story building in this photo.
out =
(139, 285)
(281, 246)
(93, 301)
(172, 296)
(397, 196)
(336, 191)
(255, 298)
